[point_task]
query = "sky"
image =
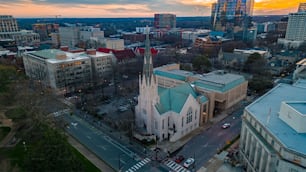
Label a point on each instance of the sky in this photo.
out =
(130, 8)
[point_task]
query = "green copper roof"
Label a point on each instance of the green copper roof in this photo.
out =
(47, 54)
(173, 99)
(218, 86)
(169, 75)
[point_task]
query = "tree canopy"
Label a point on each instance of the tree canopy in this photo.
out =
(201, 63)
(255, 64)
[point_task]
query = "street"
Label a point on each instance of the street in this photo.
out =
(118, 155)
(205, 145)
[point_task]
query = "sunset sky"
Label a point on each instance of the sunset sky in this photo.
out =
(130, 8)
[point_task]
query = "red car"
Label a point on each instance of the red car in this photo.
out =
(179, 159)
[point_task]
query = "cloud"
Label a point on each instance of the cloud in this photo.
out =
(131, 8)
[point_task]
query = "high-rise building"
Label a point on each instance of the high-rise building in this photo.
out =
(273, 130)
(227, 14)
(296, 28)
(167, 21)
(9, 30)
(8, 24)
(302, 7)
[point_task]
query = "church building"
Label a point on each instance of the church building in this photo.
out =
(168, 112)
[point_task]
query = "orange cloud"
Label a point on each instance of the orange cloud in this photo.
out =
(26, 8)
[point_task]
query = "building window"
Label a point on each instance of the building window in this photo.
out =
(163, 124)
(189, 116)
(155, 124)
(182, 121)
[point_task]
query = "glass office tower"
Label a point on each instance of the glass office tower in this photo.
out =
(227, 14)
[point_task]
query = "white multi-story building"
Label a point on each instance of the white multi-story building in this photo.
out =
(102, 65)
(273, 130)
(90, 32)
(67, 72)
(9, 30)
(296, 28)
(114, 43)
(193, 35)
(69, 36)
(59, 70)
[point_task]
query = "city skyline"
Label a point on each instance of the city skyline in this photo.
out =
(138, 8)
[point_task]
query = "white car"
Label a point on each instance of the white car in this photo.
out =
(226, 125)
(74, 124)
(188, 162)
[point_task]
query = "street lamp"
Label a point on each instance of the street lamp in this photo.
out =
(24, 145)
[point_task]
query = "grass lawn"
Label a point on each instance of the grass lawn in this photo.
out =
(4, 131)
(16, 155)
(87, 164)
(16, 114)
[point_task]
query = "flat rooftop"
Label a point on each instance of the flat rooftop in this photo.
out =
(174, 74)
(219, 81)
(269, 105)
(50, 55)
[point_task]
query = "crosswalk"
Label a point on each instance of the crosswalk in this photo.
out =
(175, 166)
(138, 165)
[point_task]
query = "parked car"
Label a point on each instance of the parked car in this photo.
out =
(188, 162)
(226, 125)
(179, 159)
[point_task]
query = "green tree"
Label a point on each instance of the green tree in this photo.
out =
(261, 83)
(302, 47)
(48, 150)
(201, 63)
(7, 74)
(255, 64)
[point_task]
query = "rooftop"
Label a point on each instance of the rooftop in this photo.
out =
(174, 74)
(173, 99)
(51, 54)
(219, 81)
(266, 111)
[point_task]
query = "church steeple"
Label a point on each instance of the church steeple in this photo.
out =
(147, 65)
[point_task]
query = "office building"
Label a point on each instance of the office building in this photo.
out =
(45, 29)
(69, 36)
(273, 130)
(9, 30)
(67, 72)
(166, 21)
(90, 32)
(8, 24)
(302, 7)
(296, 28)
(114, 43)
(230, 15)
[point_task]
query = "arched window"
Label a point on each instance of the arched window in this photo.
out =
(189, 115)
